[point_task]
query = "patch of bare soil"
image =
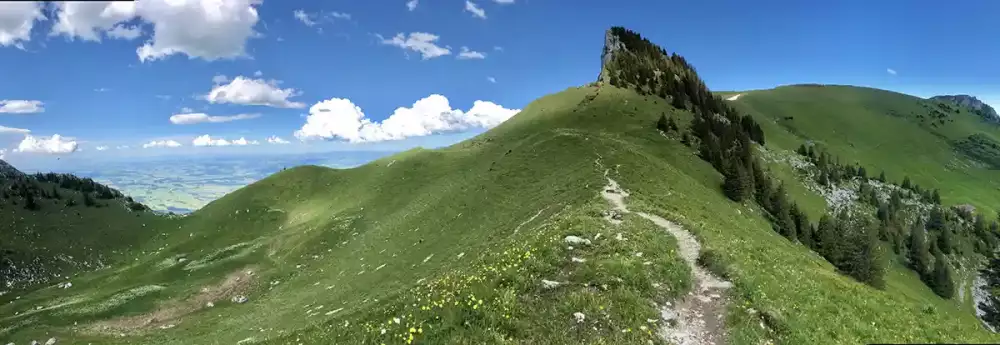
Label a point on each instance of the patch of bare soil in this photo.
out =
(169, 313)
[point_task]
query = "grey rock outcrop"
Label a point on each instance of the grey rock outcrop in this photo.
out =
(972, 103)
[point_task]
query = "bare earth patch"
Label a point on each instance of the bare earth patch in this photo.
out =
(167, 314)
(699, 317)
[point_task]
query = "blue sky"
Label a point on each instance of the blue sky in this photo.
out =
(255, 69)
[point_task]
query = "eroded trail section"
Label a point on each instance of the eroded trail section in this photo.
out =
(699, 317)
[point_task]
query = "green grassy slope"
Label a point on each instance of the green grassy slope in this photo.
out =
(882, 129)
(61, 235)
(454, 244)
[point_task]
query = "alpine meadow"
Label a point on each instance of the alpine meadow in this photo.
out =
(641, 208)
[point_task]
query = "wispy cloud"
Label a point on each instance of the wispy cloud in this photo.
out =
(890, 71)
(421, 42)
(465, 54)
(195, 118)
(492, 80)
(411, 5)
(476, 11)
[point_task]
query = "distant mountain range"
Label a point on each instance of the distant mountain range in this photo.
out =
(974, 104)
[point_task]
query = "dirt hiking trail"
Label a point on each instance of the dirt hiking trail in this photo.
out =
(699, 317)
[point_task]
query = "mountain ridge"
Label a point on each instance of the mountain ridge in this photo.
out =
(505, 237)
(972, 103)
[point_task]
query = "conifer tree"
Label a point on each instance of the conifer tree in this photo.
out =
(671, 124)
(936, 197)
(29, 202)
(918, 256)
(883, 213)
(55, 193)
(88, 200)
(941, 280)
(781, 211)
(881, 177)
(827, 238)
(907, 183)
(895, 201)
(802, 227)
(936, 221)
(662, 123)
(946, 240)
(863, 259)
(737, 185)
(678, 101)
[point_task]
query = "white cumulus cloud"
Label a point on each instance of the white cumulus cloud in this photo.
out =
(206, 140)
(243, 141)
(8, 130)
(87, 20)
(476, 11)
(247, 91)
(16, 21)
(206, 29)
(411, 5)
(158, 143)
(890, 71)
(421, 42)
(56, 144)
(20, 106)
(193, 118)
(339, 118)
(466, 54)
(276, 140)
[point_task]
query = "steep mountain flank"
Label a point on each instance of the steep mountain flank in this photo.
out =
(55, 225)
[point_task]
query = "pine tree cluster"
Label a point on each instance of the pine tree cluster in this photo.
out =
(926, 244)
(69, 190)
(724, 138)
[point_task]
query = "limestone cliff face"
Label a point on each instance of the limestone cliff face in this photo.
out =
(612, 45)
(972, 103)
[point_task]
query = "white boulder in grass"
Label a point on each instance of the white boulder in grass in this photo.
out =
(576, 240)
